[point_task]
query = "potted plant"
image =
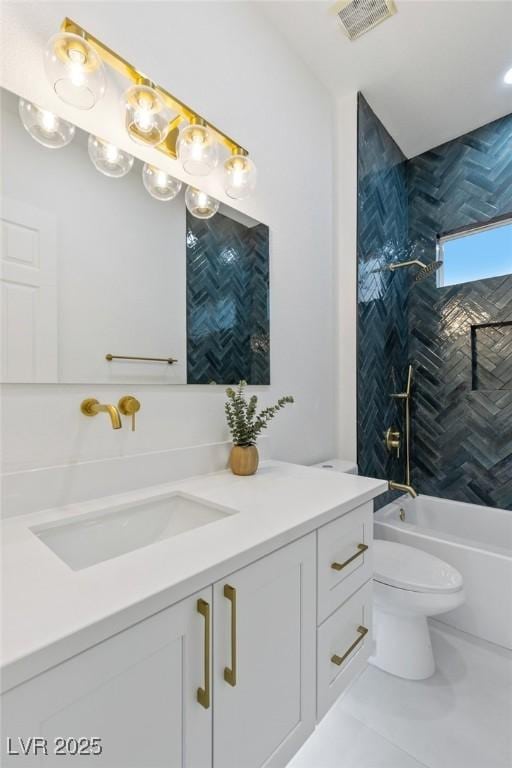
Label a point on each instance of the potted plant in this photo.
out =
(246, 425)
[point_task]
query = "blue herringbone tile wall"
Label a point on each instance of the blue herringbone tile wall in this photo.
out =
(228, 333)
(382, 295)
(462, 436)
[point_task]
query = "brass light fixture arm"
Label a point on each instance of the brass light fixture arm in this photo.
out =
(124, 68)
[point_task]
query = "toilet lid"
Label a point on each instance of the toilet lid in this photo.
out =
(399, 565)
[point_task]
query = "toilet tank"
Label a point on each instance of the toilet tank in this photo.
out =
(338, 465)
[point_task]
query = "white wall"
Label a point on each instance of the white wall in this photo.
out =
(227, 61)
(345, 233)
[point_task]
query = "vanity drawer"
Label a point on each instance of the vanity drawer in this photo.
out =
(344, 644)
(344, 558)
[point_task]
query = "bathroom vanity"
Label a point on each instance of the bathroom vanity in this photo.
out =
(219, 645)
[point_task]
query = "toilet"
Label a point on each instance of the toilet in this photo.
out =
(408, 586)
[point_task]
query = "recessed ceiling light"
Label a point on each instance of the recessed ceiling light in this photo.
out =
(508, 77)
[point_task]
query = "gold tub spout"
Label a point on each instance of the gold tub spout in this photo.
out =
(402, 487)
(91, 407)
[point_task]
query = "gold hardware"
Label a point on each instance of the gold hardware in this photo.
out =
(230, 672)
(406, 397)
(404, 487)
(169, 360)
(129, 406)
(361, 549)
(91, 407)
(124, 68)
(392, 440)
(338, 660)
(401, 264)
(203, 694)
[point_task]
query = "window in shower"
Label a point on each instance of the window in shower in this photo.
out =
(476, 253)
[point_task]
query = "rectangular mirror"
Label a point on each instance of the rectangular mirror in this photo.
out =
(96, 272)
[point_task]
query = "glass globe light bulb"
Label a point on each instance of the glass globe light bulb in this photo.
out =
(199, 204)
(147, 117)
(45, 127)
(109, 159)
(240, 176)
(160, 184)
(197, 149)
(74, 69)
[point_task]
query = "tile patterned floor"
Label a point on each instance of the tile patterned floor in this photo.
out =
(459, 718)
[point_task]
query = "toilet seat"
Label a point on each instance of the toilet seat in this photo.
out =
(411, 569)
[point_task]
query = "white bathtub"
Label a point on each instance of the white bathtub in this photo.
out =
(477, 541)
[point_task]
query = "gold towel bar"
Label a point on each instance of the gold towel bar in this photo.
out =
(169, 360)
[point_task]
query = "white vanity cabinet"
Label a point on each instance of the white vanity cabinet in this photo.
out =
(264, 660)
(136, 691)
(234, 676)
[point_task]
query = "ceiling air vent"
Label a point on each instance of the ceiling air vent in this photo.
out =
(359, 16)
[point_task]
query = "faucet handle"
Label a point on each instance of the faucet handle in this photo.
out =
(129, 406)
(392, 440)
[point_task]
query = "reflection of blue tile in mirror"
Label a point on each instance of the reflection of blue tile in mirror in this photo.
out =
(228, 332)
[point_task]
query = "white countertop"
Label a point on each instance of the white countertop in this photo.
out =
(51, 612)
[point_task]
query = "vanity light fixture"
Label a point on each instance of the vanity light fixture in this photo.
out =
(74, 62)
(239, 175)
(45, 127)
(74, 69)
(199, 204)
(508, 77)
(160, 184)
(109, 159)
(197, 148)
(147, 117)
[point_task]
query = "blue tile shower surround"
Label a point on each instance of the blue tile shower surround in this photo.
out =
(382, 295)
(462, 436)
(228, 331)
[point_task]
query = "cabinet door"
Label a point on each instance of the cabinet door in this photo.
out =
(136, 691)
(264, 665)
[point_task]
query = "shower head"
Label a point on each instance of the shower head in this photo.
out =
(424, 269)
(428, 270)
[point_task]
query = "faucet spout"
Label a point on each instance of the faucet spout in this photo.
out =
(402, 487)
(92, 407)
(112, 411)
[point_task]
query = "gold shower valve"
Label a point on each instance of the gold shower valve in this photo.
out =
(129, 406)
(392, 440)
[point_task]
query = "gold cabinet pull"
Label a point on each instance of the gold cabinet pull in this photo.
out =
(338, 660)
(230, 672)
(361, 549)
(203, 694)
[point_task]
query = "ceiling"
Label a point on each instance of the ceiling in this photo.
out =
(431, 73)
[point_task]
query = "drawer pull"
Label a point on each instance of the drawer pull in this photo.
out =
(361, 549)
(230, 672)
(338, 660)
(203, 694)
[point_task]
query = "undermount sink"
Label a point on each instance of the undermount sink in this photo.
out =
(116, 530)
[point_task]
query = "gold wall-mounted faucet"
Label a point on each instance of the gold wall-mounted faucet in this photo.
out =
(402, 487)
(91, 407)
